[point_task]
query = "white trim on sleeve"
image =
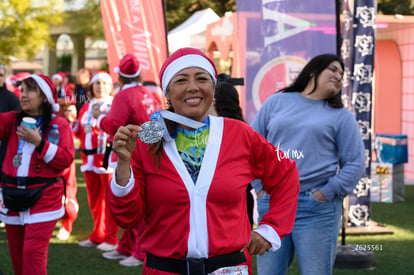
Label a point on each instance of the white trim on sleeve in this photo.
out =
(270, 235)
(98, 121)
(50, 153)
(119, 190)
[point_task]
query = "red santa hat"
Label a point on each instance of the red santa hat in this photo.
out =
(185, 58)
(129, 66)
(22, 75)
(48, 89)
(58, 76)
(12, 79)
(101, 75)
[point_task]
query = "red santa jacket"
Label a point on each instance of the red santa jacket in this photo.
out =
(208, 218)
(87, 130)
(132, 105)
(49, 163)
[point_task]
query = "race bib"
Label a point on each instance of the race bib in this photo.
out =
(232, 270)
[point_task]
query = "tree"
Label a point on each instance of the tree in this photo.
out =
(86, 20)
(24, 27)
(179, 10)
(404, 7)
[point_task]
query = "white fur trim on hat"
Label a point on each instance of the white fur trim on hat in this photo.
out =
(186, 61)
(57, 76)
(47, 91)
(101, 75)
(131, 75)
(118, 71)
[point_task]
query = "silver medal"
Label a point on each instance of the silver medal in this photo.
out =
(152, 132)
(17, 160)
(87, 128)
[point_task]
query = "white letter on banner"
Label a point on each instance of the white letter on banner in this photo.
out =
(282, 21)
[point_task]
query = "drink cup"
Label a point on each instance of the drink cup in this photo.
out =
(29, 122)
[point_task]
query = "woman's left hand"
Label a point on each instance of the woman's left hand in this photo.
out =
(257, 244)
(319, 196)
(31, 136)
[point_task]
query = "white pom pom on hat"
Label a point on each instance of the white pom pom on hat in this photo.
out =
(129, 66)
(185, 58)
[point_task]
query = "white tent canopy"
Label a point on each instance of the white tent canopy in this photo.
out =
(191, 33)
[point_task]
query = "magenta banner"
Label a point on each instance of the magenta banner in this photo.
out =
(276, 39)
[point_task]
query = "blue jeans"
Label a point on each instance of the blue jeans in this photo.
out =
(313, 238)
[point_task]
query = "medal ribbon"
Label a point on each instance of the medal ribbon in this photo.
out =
(160, 115)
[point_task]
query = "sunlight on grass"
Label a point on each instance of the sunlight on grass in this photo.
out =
(401, 233)
(67, 258)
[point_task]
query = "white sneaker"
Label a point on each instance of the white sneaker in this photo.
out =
(113, 255)
(106, 247)
(131, 261)
(87, 243)
(63, 235)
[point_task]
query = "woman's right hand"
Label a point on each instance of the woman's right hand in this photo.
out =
(124, 142)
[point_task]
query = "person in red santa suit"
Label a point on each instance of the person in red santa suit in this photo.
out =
(69, 85)
(57, 80)
(32, 185)
(186, 177)
(18, 82)
(67, 110)
(92, 147)
(64, 88)
(156, 90)
(133, 104)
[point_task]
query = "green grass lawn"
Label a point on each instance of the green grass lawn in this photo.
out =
(66, 257)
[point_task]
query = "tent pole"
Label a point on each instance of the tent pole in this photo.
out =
(164, 7)
(338, 27)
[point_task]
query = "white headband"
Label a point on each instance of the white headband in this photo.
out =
(186, 61)
(103, 76)
(47, 91)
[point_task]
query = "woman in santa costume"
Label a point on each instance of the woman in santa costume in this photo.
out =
(187, 175)
(67, 110)
(57, 80)
(133, 104)
(32, 186)
(92, 144)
